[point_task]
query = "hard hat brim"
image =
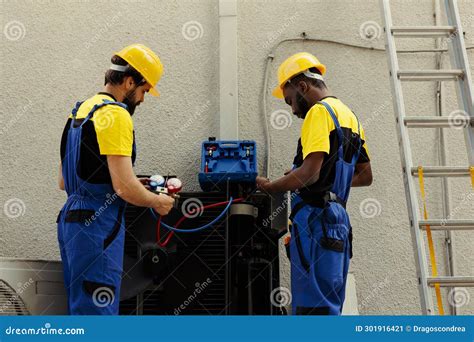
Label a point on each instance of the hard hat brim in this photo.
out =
(278, 93)
(154, 92)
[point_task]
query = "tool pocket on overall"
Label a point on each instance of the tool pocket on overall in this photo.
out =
(334, 237)
(330, 255)
(81, 231)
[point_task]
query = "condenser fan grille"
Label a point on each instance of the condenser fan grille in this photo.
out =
(11, 303)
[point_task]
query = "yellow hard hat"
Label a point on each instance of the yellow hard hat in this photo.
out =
(293, 66)
(146, 62)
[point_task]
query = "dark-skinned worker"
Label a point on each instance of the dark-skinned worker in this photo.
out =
(97, 155)
(331, 158)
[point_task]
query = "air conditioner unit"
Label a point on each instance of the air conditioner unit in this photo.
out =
(31, 287)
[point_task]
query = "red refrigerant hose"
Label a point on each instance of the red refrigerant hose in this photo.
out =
(182, 219)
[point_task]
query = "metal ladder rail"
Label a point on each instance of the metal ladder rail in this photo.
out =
(461, 74)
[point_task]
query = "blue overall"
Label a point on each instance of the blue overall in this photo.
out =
(319, 247)
(90, 234)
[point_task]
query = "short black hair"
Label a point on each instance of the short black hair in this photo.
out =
(302, 77)
(117, 77)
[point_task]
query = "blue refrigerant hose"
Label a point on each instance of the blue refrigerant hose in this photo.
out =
(193, 230)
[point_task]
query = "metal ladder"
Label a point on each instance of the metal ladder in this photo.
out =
(462, 75)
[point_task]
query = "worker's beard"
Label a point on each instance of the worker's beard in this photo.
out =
(302, 105)
(130, 102)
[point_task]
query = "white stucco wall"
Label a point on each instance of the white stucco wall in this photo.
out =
(54, 53)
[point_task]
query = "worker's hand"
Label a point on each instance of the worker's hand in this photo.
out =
(145, 181)
(262, 182)
(164, 204)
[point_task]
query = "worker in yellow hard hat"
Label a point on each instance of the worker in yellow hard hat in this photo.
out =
(331, 158)
(97, 155)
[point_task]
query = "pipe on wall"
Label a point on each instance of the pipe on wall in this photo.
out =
(228, 71)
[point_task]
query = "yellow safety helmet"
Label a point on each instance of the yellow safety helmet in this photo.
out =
(146, 62)
(294, 65)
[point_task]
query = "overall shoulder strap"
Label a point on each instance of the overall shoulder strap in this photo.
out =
(340, 139)
(76, 108)
(74, 112)
(100, 105)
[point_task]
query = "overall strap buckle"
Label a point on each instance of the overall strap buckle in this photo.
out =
(330, 196)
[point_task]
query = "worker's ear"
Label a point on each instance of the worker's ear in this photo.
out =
(129, 82)
(303, 87)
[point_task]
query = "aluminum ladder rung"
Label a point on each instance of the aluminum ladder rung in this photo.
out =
(451, 281)
(430, 75)
(442, 171)
(423, 31)
(438, 122)
(444, 224)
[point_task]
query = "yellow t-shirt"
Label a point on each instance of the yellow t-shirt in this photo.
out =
(318, 125)
(318, 134)
(113, 126)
